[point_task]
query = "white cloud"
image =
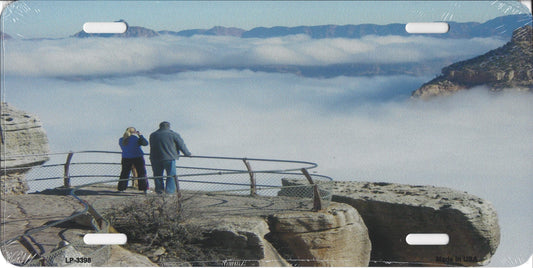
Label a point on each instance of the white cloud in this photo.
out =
(113, 56)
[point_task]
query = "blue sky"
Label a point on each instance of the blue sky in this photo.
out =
(35, 18)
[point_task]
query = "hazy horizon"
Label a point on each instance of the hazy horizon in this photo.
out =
(38, 19)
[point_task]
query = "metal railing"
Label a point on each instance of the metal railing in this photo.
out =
(198, 173)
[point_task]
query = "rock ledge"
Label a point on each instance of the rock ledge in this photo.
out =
(392, 211)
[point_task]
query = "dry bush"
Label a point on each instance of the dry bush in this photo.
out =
(156, 222)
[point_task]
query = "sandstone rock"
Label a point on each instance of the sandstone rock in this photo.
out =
(392, 211)
(85, 219)
(121, 257)
(24, 144)
(334, 237)
(242, 238)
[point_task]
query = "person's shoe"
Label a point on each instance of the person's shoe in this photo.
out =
(148, 191)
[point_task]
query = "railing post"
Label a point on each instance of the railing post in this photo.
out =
(253, 190)
(317, 202)
(66, 174)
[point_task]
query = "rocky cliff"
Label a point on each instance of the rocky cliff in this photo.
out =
(510, 66)
(24, 144)
(367, 225)
(336, 236)
(237, 230)
(392, 211)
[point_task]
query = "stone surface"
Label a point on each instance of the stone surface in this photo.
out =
(336, 236)
(392, 211)
(28, 213)
(243, 238)
(121, 257)
(24, 144)
(510, 66)
(236, 223)
(278, 231)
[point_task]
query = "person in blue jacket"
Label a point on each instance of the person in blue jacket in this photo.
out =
(165, 146)
(132, 156)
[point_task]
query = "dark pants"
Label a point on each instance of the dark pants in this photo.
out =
(139, 165)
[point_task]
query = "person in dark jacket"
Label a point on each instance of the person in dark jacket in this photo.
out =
(165, 146)
(132, 156)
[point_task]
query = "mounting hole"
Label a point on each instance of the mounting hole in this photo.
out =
(427, 27)
(435, 239)
(105, 239)
(105, 27)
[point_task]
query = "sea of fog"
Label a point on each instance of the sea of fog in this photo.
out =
(354, 128)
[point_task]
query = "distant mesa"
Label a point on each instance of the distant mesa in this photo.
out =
(510, 66)
(501, 26)
(142, 32)
(215, 31)
(4, 36)
(132, 31)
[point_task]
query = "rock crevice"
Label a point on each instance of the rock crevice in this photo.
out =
(333, 237)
